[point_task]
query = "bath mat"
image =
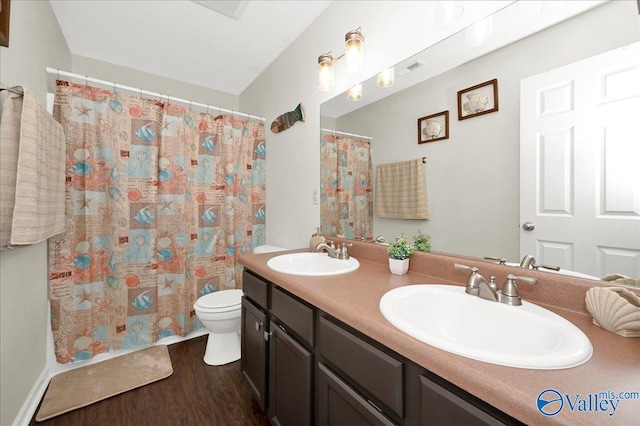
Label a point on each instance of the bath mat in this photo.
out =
(92, 383)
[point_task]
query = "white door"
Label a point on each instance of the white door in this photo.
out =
(580, 165)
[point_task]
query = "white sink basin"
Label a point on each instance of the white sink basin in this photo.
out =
(526, 336)
(312, 264)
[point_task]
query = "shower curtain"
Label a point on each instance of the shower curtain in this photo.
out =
(160, 202)
(346, 203)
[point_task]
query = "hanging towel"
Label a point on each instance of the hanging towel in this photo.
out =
(401, 191)
(32, 171)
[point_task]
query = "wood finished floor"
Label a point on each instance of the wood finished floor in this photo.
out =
(195, 394)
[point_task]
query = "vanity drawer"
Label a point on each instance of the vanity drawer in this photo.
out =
(255, 289)
(373, 370)
(293, 314)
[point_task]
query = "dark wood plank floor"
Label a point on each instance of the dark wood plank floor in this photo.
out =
(195, 394)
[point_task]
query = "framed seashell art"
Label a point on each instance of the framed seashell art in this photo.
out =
(478, 100)
(434, 127)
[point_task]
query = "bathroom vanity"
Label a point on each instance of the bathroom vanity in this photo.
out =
(317, 350)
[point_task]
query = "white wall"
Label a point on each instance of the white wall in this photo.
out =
(154, 83)
(473, 177)
(35, 42)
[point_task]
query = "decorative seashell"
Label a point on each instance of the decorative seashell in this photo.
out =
(115, 174)
(164, 242)
(165, 255)
(315, 240)
(82, 262)
(165, 322)
(81, 168)
(115, 106)
(164, 163)
(83, 247)
(112, 281)
(615, 309)
(82, 343)
(432, 129)
(164, 175)
(81, 154)
(114, 193)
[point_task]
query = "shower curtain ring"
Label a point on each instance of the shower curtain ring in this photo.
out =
(86, 80)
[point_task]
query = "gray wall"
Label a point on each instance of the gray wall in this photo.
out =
(35, 42)
(154, 83)
(473, 177)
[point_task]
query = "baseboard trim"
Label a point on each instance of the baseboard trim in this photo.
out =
(30, 404)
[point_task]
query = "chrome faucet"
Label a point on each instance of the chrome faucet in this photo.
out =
(528, 261)
(477, 285)
(339, 253)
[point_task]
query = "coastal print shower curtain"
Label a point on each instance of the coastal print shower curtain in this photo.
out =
(160, 202)
(346, 203)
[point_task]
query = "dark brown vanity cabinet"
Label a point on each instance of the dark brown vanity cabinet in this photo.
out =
(253, 363)
(307, 368)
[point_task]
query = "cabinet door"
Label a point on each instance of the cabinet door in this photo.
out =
(290, 370)
(339, 405)
(440, 406)
(253, 362)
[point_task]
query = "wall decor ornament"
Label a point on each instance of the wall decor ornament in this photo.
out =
(434, 127)
(478, 100)
(288, 119)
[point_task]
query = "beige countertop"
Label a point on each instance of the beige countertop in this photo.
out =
(353, 298)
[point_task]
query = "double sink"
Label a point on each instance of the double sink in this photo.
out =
(444, 316)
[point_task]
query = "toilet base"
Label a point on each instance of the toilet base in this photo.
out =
(222, 348)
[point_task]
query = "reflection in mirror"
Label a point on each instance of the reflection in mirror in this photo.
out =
(474, 177)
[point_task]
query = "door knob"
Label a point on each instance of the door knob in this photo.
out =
(528, 226)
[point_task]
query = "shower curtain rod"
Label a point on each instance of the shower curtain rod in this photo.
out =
(346, 134)
(161, 96)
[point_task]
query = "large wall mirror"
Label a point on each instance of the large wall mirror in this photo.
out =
(474, 174)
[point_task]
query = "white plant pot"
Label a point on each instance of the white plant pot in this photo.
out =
(398, 267)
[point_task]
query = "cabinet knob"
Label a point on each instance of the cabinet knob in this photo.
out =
(258, 326)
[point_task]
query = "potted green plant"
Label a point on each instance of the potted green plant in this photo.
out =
(422, 242)
(399, 253)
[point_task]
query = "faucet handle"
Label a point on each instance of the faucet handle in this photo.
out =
(468, 268)
(500, 260)
(536, 266)
(510, 294)
(331, 244)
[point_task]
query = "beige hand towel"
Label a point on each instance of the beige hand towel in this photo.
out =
(32, 171)
(401, 191)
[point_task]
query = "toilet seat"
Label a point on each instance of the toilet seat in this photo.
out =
(220, 301)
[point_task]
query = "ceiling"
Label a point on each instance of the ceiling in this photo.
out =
(186, 40)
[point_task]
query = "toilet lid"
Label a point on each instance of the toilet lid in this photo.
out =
(219, 300)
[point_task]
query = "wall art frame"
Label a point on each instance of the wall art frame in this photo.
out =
(434, 127)
(5, 8)
(478, 100)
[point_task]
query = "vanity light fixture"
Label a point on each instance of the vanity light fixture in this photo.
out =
(353, 51)
(355, 93)
(326, 80)
(354, 58)
(386, 78)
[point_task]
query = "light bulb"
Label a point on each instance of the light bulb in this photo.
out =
(386, 78)
(353, 51)
(355, 93)
(326, 80)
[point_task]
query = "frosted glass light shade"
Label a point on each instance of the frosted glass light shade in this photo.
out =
(355, 93)
(354, 51)
(386, 78)
(326, 81)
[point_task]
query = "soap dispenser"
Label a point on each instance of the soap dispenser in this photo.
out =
(316, 239)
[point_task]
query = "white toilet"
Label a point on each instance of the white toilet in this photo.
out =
(219, 312)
